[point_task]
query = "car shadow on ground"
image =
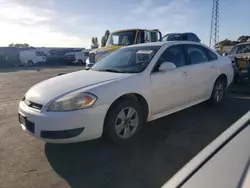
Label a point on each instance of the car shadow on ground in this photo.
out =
(164, 146)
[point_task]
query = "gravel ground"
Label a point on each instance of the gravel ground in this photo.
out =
(164, 146)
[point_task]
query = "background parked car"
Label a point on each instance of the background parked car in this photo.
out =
(240, 56)
(62, 55)
(78, 56)
(71, 56)
(181, 37)
(81, 57)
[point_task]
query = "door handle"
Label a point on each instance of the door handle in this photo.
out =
(185, 73)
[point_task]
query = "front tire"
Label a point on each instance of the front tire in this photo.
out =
(123, 122)
(219, 92)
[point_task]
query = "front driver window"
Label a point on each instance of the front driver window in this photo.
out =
(174, 55)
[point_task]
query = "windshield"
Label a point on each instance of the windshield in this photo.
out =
(128, 60)
(171, 37)
(240, 49)
(121, 38)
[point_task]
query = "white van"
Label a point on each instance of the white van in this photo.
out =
(81, 57)
(32, 57)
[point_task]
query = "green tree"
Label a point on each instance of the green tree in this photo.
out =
(19, 45)
(105, 38)
(94, 43)
(225, 42)
(243, 38)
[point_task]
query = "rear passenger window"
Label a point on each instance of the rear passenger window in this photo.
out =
(196, 54)
(174, 54)
(211, 55)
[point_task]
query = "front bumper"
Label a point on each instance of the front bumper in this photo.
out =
(64, 127)
(89, 64)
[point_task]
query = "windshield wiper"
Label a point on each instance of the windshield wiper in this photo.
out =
(111, 70)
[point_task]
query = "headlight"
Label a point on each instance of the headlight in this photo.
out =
(73, 102)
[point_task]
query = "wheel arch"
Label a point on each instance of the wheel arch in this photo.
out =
(222, 77)
(136, 97)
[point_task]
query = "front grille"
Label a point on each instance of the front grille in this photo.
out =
(32, 104)
(92, 57)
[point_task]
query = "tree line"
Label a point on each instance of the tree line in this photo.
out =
(228, 42)
(104, 39)
(19, 45)
(95, 42)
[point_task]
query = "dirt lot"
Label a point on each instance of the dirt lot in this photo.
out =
(162, 149)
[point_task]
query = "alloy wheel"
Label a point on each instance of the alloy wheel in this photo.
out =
(127, 122)
(219, 92)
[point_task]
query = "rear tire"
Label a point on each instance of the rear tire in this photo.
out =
(219, 92)
(123, 122)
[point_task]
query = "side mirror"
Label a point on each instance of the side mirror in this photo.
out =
(167, 66)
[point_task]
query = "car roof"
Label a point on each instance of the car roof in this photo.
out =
(162, 43)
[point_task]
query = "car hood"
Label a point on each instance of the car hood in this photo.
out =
(45, 91)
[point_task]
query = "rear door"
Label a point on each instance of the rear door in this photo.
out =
(201, 71)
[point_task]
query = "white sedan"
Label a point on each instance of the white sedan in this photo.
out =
(118, 94)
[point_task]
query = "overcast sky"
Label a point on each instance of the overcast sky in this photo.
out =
(72, 23)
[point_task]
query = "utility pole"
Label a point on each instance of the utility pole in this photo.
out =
(214, 32)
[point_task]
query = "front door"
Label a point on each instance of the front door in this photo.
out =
(170, 88)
